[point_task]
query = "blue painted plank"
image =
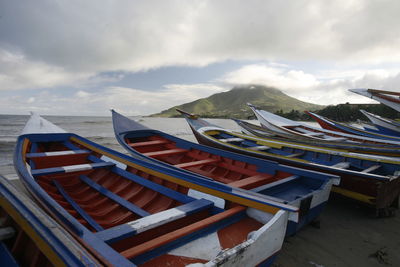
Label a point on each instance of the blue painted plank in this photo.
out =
(6, 258)
(34, 148)
(71, 146)
(70, 168)
(56, 153)
(121, 201)
(81, 212)
(141, 225)
(156, 187)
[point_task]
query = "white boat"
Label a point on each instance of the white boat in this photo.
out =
(384, 125)
(388, 98)
(283, 125)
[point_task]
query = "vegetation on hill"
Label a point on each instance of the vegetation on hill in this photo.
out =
(232, 104)
(350, 112)
(343, 112)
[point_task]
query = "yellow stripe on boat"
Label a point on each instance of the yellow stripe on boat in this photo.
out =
(261, 152)
(236, 199)
(25, 148)
(354, 195)
(343, 152)
(44, 247)
(213, 132)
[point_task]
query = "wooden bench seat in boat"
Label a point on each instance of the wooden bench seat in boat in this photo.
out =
(372, 168)
(152, 221)
(6, 233)
(232, 139)
(294, 155)
(72, 168)
(273, 184)
(149, 143)
(167, 152)
(259, 148)
(57, 153)
(342, 165)
(187, 230)
(196, 163)
(251, 182)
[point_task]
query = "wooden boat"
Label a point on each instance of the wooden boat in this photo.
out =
(29, 237)
(129, 212)
(252, 129)
(283, 125)
(388, 98)
(307, 190)
(382, 125)
(368, 126)
(345, 128)
(370, 179)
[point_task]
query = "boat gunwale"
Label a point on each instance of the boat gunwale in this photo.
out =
(367, 175)
(83, 234)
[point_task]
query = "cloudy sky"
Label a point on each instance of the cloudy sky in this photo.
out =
(140, 57)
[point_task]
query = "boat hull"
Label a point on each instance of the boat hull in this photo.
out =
(129, 212)
(251, 129)
(337, 126)
(385, 126)
(151, 144)
(388, 98)
(283, 125)
(382, 195)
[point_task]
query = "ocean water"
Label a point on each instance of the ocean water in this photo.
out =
(97, 129)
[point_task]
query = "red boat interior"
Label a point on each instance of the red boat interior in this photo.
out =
(225, 170)
(105, 196)
(23, 249)
(386, 95)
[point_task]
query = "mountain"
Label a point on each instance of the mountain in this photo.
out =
(232, 104)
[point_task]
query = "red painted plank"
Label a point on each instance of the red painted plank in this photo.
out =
(169, 237)
(237, 233)
(165, 152)
(171, 260)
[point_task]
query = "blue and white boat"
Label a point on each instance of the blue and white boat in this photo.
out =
(388, 98)
(382, 125)
(130, 212)
(307, 190)
(349, 129)
(370, 179)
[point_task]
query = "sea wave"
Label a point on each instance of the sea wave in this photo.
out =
(96, 122)
(8, 139)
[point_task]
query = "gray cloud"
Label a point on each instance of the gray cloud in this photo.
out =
(45, 43)
(130, 35)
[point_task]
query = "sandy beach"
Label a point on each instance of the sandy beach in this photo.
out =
(346, 235)
(349, 235)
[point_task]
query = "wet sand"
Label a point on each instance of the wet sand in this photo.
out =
(347, 235)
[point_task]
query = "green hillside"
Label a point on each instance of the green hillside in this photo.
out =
(232, 104)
